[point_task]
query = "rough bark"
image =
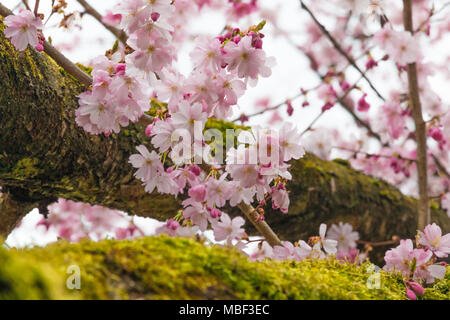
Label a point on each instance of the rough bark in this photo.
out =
(45, 155)
(11, 212)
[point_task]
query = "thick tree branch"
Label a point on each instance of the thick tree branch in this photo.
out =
(421, 135)
(11, 213)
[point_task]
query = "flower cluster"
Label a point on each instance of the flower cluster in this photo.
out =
(74, 221)
(420, 264)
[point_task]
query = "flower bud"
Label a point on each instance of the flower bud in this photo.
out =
(416, 287)
(410, 294)
(215, 213)
(198, 193)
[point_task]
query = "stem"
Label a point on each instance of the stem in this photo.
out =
(36, 7)
(120, 34)
(378, 244)
(67, 65)
(338, 47)
(421, 137)
(260, 225)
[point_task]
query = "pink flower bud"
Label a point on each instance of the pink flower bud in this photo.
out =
(148, 130)
(215, 213)
(410, 294)
(416, 287)
(436, 134)
(155, 16)
(198, 193)
(172, 224)
(290, 109)
(362, 104)
(195, 169)
(371, 64)
(344, 85)
(243, 118)
(112, 19)
(120, 69)
(327, 106)
(257, 43)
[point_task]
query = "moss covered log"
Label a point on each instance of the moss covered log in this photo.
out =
(44, 155)
(168, 268)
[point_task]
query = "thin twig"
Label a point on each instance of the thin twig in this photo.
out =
(260, 225)
(338, 47)
(374, 155)
(118, 33)
(420, 131)
(36, 7)
(378, 244)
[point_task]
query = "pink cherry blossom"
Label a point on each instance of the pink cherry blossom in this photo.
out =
(264, 252)
(401, 46)
(246, 60)
(280, 199)
(329, 245)
(23, 29)
(147, 163)
(227, 229)
(432, 239)
(198, 193)
(345, 236)
(151, 55)
(207, 54)
(198, 215)
(290, 143)
(218, 191)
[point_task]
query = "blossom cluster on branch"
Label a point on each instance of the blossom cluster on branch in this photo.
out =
(138, 78)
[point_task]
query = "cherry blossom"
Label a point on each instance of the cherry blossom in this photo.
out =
(227, 229)
(432, 239)
(344, 235)
(23, 28)
(246, 60)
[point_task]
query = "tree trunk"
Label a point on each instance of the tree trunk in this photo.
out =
(45, 155)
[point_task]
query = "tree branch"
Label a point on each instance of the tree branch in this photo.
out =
(421, 136)
(338, 47)
(12, 212)
(118, 33)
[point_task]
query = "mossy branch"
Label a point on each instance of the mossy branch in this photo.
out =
(167, 268)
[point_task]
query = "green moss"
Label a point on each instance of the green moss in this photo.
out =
(342, 162)
(167, 268)
(26, 168)
(86, 69)
(22, 280)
